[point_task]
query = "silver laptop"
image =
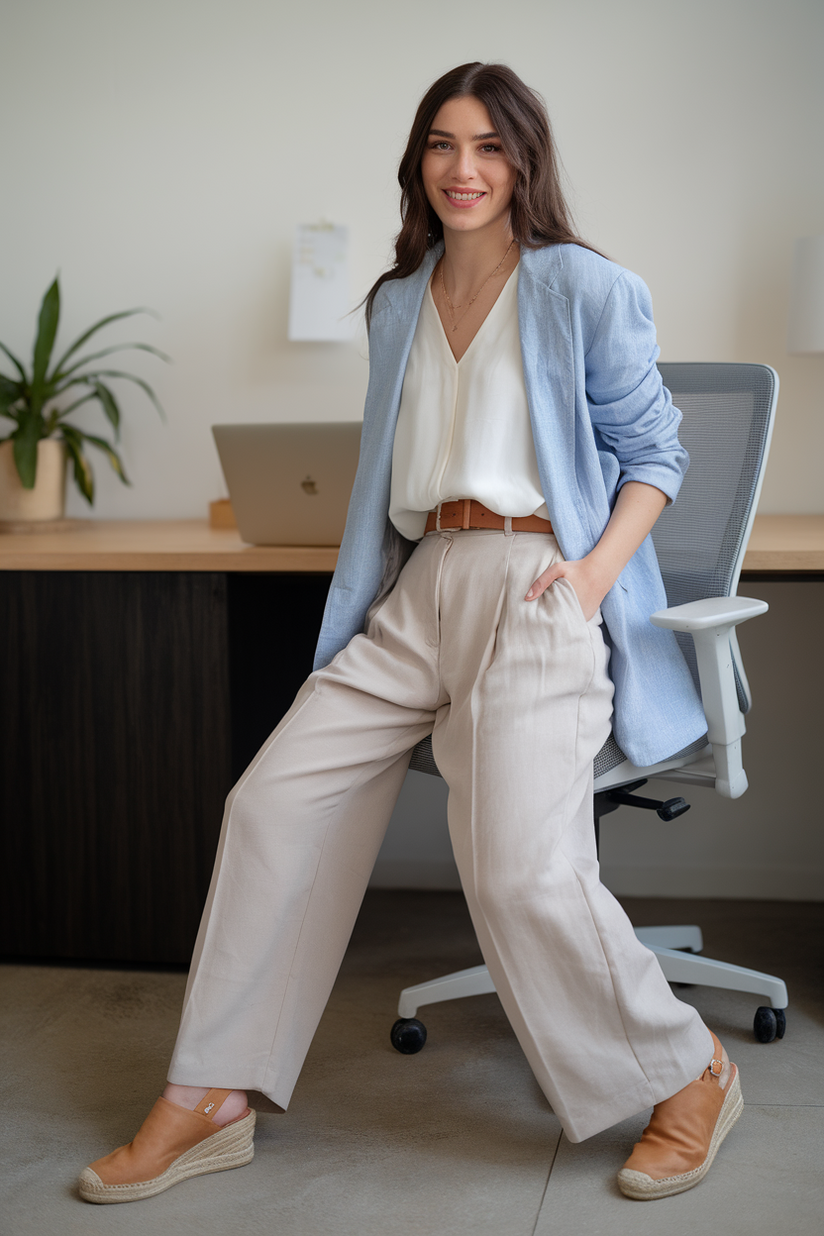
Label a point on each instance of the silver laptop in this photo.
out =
(289, 483)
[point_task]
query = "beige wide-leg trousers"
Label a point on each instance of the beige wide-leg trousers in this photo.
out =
(518, 700)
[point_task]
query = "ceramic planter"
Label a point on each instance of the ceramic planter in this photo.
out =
(48, 498)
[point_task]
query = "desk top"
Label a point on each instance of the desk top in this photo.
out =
(778, 543)
(153, 545)
(786, 543)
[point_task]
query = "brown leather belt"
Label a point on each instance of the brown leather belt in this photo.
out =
(466, 513)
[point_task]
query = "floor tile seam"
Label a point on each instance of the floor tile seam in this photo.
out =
(546, 1184)
(751, 1103)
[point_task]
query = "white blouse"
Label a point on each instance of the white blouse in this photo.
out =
(463, 426)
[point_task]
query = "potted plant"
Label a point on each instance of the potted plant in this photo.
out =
(33, 456)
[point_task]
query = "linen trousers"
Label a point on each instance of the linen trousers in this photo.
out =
(518, 700)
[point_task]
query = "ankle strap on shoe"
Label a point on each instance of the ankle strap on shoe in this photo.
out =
(212, 1102)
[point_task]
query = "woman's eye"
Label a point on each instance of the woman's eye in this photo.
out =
(439, 146)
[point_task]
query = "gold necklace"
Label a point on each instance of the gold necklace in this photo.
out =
(451, 307)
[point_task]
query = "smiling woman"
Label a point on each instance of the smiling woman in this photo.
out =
(517, 448)
(467, 177)
(511, 118)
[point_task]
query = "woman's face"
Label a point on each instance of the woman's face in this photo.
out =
(467, 177)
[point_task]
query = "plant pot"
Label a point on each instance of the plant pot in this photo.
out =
(47, 500)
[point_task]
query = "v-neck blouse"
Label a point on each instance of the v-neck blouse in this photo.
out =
(463, 426)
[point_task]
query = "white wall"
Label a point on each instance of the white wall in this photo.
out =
(161, 153)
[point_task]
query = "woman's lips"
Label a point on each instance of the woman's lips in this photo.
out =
(463, 198)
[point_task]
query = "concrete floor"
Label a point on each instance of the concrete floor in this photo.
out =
(455, 1140)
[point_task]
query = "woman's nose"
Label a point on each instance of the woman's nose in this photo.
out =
(465, 166)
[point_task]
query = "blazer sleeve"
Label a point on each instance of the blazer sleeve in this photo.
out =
(629, 406)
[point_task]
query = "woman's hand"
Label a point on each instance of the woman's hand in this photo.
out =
(636, 509)
(588, 578)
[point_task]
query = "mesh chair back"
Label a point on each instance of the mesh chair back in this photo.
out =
(700, 540)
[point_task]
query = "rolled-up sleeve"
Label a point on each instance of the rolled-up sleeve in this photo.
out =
(629, 405)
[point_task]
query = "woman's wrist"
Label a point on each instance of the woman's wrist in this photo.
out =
(601, 570)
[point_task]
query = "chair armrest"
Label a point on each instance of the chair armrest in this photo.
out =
(709, 622)
(709, 614)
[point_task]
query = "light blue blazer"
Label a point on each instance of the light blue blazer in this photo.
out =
(600, 417)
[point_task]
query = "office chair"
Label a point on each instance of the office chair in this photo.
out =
(700, 541)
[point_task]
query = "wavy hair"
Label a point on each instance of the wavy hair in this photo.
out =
(539, 214)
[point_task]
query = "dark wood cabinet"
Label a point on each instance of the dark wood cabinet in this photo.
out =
(131, 701)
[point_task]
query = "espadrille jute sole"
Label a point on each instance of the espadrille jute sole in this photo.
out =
(644, 1189)
(232, 1146)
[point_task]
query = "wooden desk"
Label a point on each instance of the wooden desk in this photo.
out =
(778, 543)
(154, 545)
(786, 544)
(142, 664)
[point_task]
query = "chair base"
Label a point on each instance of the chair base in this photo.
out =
(678, 966)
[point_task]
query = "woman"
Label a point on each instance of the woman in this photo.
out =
(518, 447)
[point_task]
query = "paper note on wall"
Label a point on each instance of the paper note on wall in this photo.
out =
(319, 301)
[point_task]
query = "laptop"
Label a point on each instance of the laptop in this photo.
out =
(289, 483)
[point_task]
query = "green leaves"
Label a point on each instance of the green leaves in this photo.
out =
(10, 392)
(25, 439)
(109, 405)
(59, 374)
(129, 377)
(113, 317)
(18, 366)
(83, 475)
(110, 453)
(25, 400)
(46, 334)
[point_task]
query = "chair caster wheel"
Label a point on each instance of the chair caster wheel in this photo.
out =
(408, 1035)
(769, 1024)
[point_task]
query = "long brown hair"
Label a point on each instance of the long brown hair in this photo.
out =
(539, 214)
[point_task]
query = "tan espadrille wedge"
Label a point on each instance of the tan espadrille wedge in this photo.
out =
(679, 1144)
(171, 1145)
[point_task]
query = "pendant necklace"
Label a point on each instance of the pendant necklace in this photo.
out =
(457, 321)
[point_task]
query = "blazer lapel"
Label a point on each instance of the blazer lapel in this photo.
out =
(549, 368)
(397, 317)
(391, 334)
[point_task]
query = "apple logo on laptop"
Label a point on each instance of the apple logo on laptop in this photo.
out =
(309, 486)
